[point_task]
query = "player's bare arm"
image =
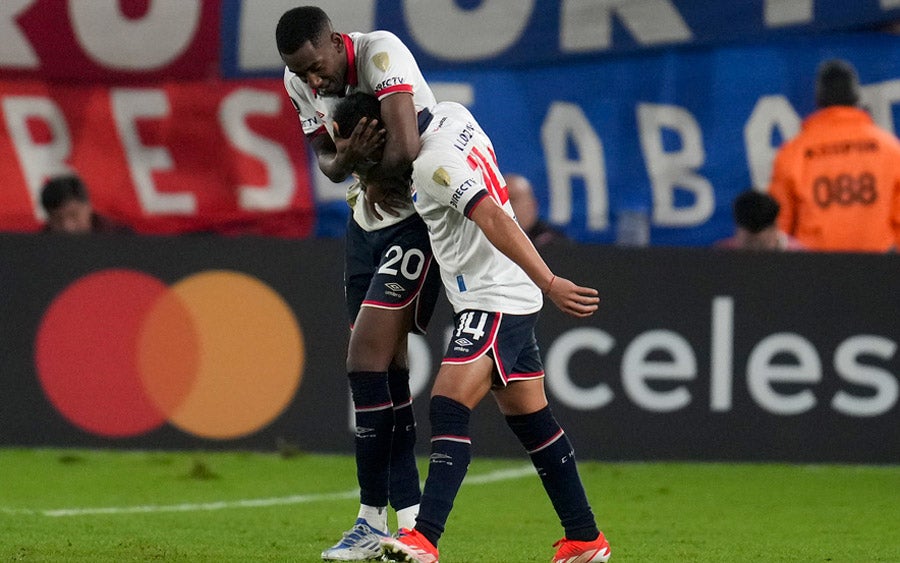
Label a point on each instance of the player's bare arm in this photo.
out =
(508, 237)
(338, 158)
(400, 119)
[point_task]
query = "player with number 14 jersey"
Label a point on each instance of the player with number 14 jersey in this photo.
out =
(455, 171)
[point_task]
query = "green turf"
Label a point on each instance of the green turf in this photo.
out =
(183, 507)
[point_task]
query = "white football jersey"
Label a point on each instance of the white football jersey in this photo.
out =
(455, 171)
(378, 63)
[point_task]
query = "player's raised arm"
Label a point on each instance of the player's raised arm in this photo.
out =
(508, 237)
(399, 117)
(402, 143)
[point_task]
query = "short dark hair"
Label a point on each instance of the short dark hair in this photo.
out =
(60, 190)
(299, 25)
(837, 84)
(755, 210)
(353, 108)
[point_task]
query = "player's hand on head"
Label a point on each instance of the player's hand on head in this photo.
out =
(572, 299)
(368, 138)
(364, 143)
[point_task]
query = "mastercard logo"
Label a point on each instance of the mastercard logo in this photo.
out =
(219, 354)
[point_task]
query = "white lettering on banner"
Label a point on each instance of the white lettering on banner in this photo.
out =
(880, 99)
(258, 19)
(769, 113)
(721, 354)
(459, 92)
(557, 360)
(235, 108)
(638, 369)
(38, 160)
(781, 13)
(885, 385)
(586, 25)
(763, 372)
(15, 49)
(670, 170)
(453, 31)
(776, 361)
(151, 42)
(128, 106)
(447, 31)
(566, 124)
(419, 363)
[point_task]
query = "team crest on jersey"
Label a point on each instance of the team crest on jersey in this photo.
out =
(381, 61)
(441, 177)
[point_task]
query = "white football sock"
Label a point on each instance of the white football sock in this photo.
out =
(376, 516)
(406, 517)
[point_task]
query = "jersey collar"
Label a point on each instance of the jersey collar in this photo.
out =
(424, 118)
(352, 78)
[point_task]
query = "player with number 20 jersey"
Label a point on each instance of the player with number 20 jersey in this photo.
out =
(390, 287)
(378, 63)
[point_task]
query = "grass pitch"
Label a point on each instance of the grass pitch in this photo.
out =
(94, 506)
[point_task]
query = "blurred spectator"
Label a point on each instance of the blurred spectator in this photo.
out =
(838, 180)
(525, 206)
(69, 209)
(754, 225)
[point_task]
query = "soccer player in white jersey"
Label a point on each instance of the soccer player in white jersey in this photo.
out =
(384, 302)
(493, 277)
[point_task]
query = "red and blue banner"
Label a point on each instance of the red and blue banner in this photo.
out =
(176, 157)
(174, 114)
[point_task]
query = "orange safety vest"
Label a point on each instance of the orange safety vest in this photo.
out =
(838, 183)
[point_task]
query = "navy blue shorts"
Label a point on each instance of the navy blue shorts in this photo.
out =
(391, 268)
(508, 339)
